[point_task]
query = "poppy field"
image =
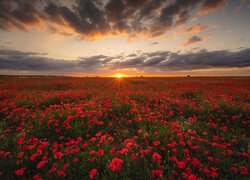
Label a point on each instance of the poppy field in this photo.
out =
(124, 128)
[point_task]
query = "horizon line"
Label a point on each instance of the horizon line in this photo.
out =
(127, 76)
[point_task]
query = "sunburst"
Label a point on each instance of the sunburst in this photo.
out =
(119, 76)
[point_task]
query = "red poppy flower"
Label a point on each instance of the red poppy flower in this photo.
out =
(156, 156)
(40, 164)
(58, 155)
(52, 170)
(115, 164)
(243, 170)
(157, 173)
(181, 164)
(100, 152)
(92, 173)
(20, 172)
(234, 170)
(61, 173)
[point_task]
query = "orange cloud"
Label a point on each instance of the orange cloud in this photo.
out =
(194, 19)
(197, 28)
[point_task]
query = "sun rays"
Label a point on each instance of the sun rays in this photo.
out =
(119, 76)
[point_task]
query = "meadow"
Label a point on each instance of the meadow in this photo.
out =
(124, 128)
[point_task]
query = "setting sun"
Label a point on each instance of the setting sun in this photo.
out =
(119, 75)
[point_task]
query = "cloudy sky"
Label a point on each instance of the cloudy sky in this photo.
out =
(132, 37)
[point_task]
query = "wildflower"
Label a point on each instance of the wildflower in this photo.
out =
(112, 151)
(84, 145)
(156, 156)
(210, 158)
(234, 170)
(157, 173)
(61, 173)
(174, 150)
(98, 134)
(20, 172)
(92, 152)
(214, 174)
(133, 156)
(156, 143)
(169, 146)
(181, 164)
(7, 154)
(184, 175)
(93, 139)
(124, 151)
(65, 166)
(192, 177)
(20, 154)
(229, 152)
(33, 156)
(92, 173)
(40, 164)
(20, 141)
(75, 160)
(36, 177)
(110, 138)
(190, 120)
(243, 170)
(58, 155)
(207, 172)
(100, 152)
(115, 164)
(52, 170)
(195, 162)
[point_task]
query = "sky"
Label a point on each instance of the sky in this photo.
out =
(130, 37)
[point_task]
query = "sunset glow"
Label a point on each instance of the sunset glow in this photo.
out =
(119, 76)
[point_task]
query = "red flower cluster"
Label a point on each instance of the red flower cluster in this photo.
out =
(115, 164)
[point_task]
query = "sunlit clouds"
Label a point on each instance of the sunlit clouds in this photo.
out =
(94, 19)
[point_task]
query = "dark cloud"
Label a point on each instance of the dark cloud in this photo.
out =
(154, 61)
(156, 54)
(180, 9)
(19, 14)
(192, 40)
(211, 5)
(94, 18)
(54, 14)
(30, 61)
(182, 17)
(94, 61)
(129, 63)
(205, 59)
(160, 61)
